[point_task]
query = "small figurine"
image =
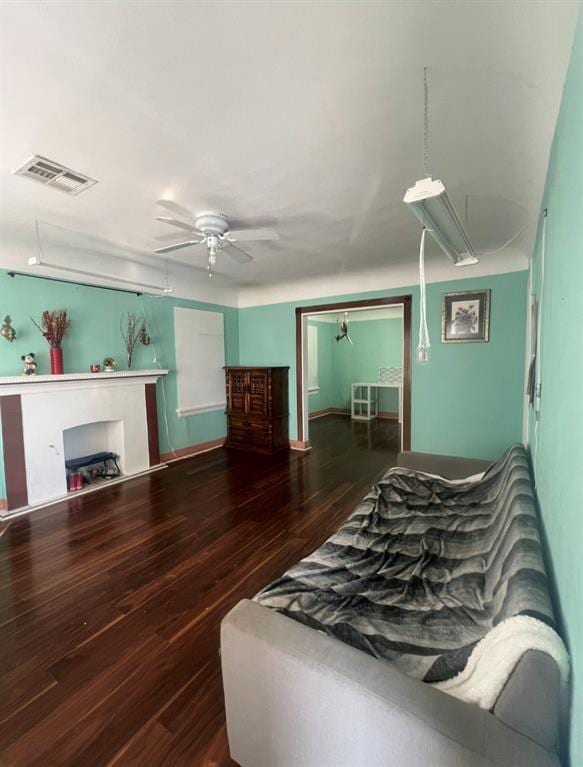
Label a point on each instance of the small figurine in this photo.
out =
(29, 364)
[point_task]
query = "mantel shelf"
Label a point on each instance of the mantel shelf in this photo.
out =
(66, 377)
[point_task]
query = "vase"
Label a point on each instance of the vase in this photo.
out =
(56, 361)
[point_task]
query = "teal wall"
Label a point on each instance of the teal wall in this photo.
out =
(467, 401)
(377, 343)
(95, 333)
(322, 399)
(558, 459)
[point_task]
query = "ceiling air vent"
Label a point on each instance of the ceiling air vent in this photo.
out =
(57, 176)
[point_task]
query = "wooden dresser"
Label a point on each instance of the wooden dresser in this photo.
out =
(257, 408)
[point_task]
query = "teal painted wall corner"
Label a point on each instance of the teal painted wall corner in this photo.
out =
(557, 445)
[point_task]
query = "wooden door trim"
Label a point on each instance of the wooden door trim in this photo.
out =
(406, 302)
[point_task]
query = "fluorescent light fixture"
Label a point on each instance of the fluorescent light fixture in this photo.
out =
(429, 201)
(36, 261)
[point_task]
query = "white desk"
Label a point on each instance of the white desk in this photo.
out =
(365, 400)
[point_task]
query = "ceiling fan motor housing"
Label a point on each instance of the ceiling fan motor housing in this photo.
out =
(212, 223)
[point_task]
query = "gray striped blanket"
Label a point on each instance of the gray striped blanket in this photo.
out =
(424, 568)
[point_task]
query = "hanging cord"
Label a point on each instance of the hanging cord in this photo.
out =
(426, 124)
(40, 247)
(538, 361)
(424, 343)
(508, 242)
(156, 361)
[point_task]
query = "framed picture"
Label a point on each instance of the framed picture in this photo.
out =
(465, 317)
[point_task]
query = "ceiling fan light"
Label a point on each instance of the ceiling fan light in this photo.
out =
(430, 203)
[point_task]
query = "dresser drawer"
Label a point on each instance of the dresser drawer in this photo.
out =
(247, 430)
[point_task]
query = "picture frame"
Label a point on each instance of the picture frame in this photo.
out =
(465, 317)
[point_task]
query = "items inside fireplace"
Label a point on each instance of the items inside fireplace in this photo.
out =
(90, 469)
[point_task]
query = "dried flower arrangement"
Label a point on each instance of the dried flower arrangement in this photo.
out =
(131, 334)
(54, 326)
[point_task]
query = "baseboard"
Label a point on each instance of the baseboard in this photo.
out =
(320, 413)
(298, 444)
(386, 414)
(187, 452)
(78, 493)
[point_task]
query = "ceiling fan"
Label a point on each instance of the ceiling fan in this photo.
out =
(213, 230)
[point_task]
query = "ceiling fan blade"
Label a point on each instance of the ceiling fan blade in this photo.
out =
(237, 254)
(178, 246)
(247, 235)
(175, 222)
(169, 236)
(174, 207)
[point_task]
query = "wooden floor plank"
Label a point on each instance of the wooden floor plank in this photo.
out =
(110, 604)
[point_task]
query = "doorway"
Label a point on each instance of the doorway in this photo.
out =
(385, 383)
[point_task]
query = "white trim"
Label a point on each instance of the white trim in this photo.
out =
(27, 380)
(313, 389)
(43, 383)
(8, 515)
(361, 315)
(389, 278)
(209, 408)
(195, 453)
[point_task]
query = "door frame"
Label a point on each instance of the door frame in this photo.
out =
(301, 358)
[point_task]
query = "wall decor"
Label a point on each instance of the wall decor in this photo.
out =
(109, 365)
(7, 331)
(54, 327)
(465, 317)
(131, 332)
(144, 336)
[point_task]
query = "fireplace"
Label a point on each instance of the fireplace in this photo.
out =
(93, 452)
(47, 420)
(94, 437)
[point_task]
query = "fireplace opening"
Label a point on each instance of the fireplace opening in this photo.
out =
(93, 453)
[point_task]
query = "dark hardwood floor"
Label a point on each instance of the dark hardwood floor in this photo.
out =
(111, 603)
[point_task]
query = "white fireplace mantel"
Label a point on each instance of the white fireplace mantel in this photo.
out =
(43, 417)
(43, 383)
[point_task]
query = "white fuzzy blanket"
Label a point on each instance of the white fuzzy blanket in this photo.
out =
(494, 659)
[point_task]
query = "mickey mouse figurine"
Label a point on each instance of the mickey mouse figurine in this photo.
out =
(29, 364)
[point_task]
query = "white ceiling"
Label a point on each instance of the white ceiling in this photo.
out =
(309, 115)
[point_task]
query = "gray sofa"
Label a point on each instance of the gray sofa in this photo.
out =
(296, 697)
